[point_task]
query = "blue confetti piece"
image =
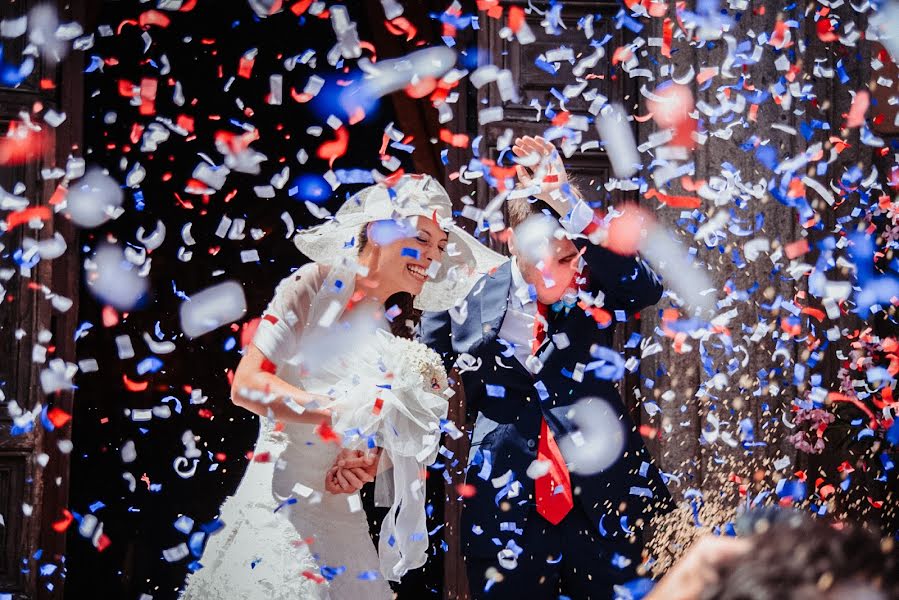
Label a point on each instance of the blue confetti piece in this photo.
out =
(637, 589)
(45, 420)
(287, 502)
(184, 524)
(496, 391)
(368, 576)
(212, 526)
(177, 402)
(330, 573)
(196, 542)
(410, 252)
(893, 433)
(149, 365)
(311, 187)
(12, 75)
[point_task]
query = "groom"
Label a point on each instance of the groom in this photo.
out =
(526, 341)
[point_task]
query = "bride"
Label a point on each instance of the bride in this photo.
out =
(326, 379)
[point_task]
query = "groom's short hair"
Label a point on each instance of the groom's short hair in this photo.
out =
(520, 209)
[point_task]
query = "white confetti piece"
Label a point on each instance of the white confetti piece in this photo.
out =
(211, 308)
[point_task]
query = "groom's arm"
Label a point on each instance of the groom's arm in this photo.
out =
(436, 333)
(627, 282)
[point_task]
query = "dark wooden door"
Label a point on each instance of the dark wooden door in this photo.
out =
(34, 461)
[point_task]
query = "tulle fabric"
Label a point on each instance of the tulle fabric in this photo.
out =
(388, 402)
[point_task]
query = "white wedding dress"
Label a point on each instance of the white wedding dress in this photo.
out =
(284, 536)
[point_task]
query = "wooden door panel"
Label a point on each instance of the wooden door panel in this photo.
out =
(27, 540)
(535, 83)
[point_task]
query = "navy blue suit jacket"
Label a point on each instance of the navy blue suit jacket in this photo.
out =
(504, 396)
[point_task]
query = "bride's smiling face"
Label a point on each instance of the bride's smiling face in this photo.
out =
(399, 255)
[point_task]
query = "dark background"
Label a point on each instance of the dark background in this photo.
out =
(204, 47)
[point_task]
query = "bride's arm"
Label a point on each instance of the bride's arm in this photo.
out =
(261, 392)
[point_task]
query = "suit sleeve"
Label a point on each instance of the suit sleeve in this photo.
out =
(629, 284)
(436, 333)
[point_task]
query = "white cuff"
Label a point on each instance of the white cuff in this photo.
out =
(578, 218)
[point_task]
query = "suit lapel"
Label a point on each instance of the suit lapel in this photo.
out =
(494, 301)
(486, 306)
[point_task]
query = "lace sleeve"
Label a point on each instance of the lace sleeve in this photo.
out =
(283, 322)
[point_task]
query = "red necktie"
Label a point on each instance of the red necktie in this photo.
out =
(552, 505)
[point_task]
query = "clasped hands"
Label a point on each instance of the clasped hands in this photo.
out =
(351, 470)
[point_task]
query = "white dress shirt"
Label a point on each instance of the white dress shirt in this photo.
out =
(518, 325)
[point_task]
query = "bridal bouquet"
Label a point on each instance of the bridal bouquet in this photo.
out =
(389, 392)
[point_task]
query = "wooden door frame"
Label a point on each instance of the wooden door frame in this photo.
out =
(44, 488)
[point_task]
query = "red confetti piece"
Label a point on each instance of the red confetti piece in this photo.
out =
(649, 432)
(561, 118)
(466, 490)
(185, 122)
(326, 434)
(334, 149)
(20, 145)
(856, 116)
(621, 54)
(458, 140)
(421, 88)
(126, 88)
(602, 317)
(838, 397)
(516, 18)
(825, 31)
(262, 457)
(300, 7)
(25, 215)
(248, 330)
(245, 68)
(780, 39)
(268, 366)
(814, 312)
(64, 522)
(59, 195)
(491, 7)
(58, 417)
(154, 17)
(302, 98)
(796, 249)
(110, 317)
(667, 36)
(400, 26)
(379, 404)
(357, 116)
(148, 96)
(674, 201)
(313, 577)
(135, 386)
(103, 542)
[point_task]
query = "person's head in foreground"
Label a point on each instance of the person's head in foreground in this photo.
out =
(786, 555)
